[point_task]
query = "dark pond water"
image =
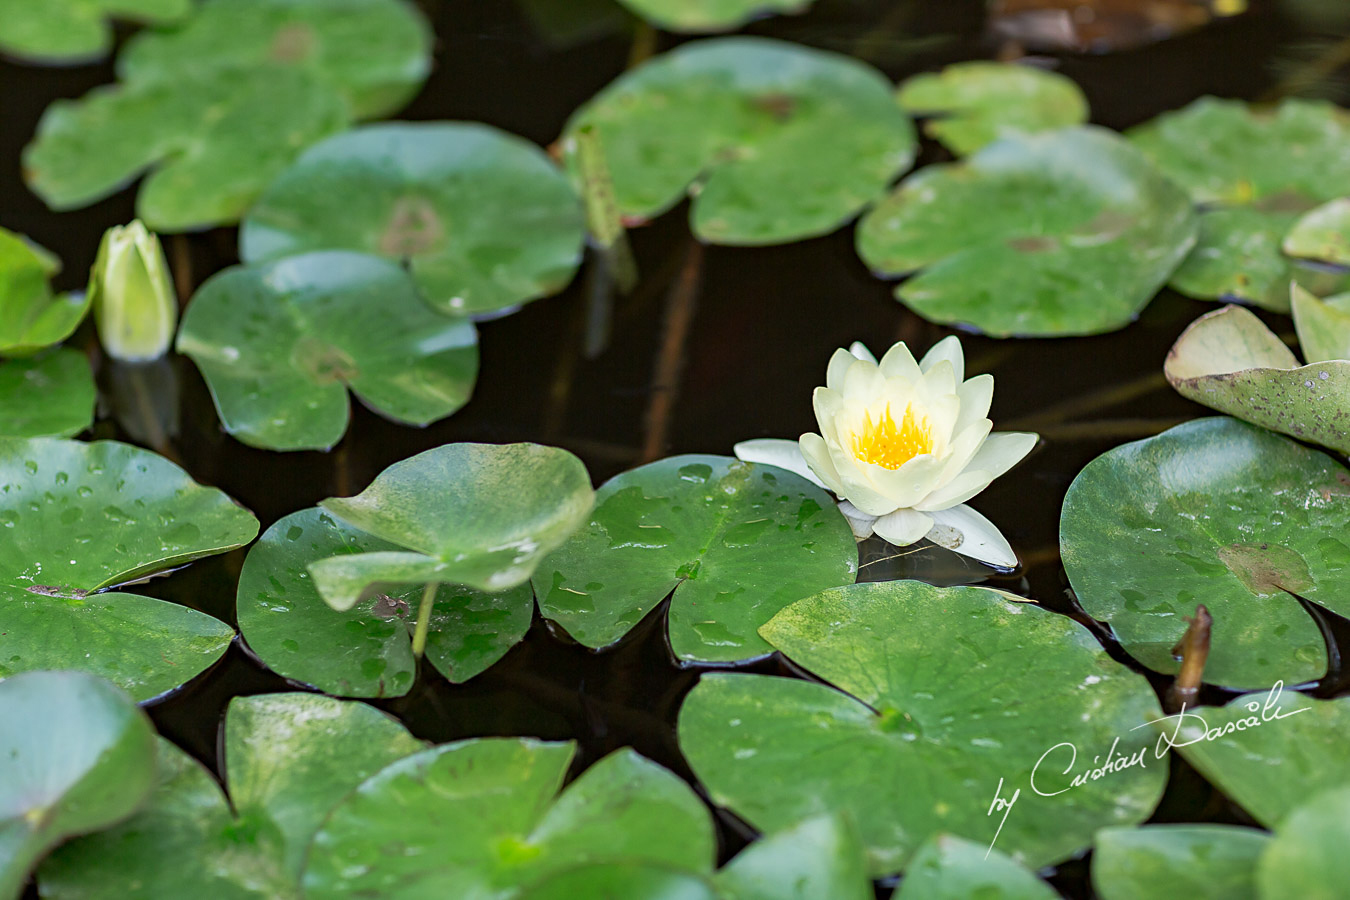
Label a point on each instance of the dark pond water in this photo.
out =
(764, 323)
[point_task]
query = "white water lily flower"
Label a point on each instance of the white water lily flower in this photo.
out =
(904, 445)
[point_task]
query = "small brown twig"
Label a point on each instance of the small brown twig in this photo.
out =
(680, 306)
(1193, 648)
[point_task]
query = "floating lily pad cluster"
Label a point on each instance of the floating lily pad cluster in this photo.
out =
(74, 31)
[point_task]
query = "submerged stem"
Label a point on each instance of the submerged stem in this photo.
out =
(424, 619)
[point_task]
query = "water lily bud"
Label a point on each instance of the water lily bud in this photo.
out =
(135, 308)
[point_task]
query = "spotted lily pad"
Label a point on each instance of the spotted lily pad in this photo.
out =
(972, 104)
(48, 396)
(1219, 512)
(735, 542)
(483, 218)
(289, 759)
(365, 651)
(1067, 232)
(950, 868)
(74, 31)
(78, 518)
(732, 121)
(1253, 173)
(1270, 752)
(79, 756)
(1322, 234)
(709, 15)
(480, 515)
(911, 743)
(1323, 326)
(375, 53)
(1306, 860)
(1200, 862)
(211, 140)
(480, 818)
(30, 316)
(280, 344)
(1230, 361)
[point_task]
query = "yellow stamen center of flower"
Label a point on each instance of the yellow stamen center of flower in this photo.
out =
(882, 443)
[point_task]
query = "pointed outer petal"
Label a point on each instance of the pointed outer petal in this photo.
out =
(975, 394)
(778, 452)
(854, 485)
(863, 382)
(968, 441)
(902, 527)
(839, 365)
(943, 414)
(827, 403)
(1002, 450)
(816, 456)
(965, 531)
(859, 351)
(905, 486)
(958, 490)
(940, 379)
(899, 361)
(859, 521)
(949, 348)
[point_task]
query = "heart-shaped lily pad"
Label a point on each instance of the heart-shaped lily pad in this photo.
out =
(950, 868)
(49, 396)
(1200, 862)
(1322, 234)
(30, 316)
(1270, 752)
(1217, 512)
(289, 759)
(79, 756)
(279, 344)
(1306, 860)
(972, 104)
(375, 53)
(709, 15)
(930, 736)
(1229, 360)
(1271, 166)
(76, 518)
(480, 818)
(483, 218)
(365, 651)
(481, 515)
(731, 121)
(74, 31)
(213, 139)
(736, 542)
(1067, 232)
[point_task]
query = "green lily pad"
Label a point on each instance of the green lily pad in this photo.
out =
(376, 53)
(709, 15)
(1219, 512)
(731, 121)
(211, 140)
(1067, 232)
(480, 818)
(949, 868)
(483, 218)
(1271, 166)
(621, 882)
(1297, 751)
(49, 396)
(1322, 234)
(75, 31)
(366, 651)
(30, 316)
(819, 857)
(927, 739)
(76, 518)
(1200, 862)
(480, 515)
(1230, 361)
(972, 104)
(1323, 326)
(1306, 859)
(736, 542)
(79, 756)
(280, 344)
(290, 758)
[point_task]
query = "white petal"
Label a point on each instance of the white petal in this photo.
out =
(776, 452)
(968, 440)
(949, 348)
(902, 527)
(908, 484)
(1002, 450)
(958, 490)
(839, 364)
(859, 521)
(976, 394)
(898, 361)
(860, 351)
(967, 532)
(941, 379)
(816, 456)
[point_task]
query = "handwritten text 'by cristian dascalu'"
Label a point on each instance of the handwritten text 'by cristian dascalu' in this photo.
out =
(1197, 730)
